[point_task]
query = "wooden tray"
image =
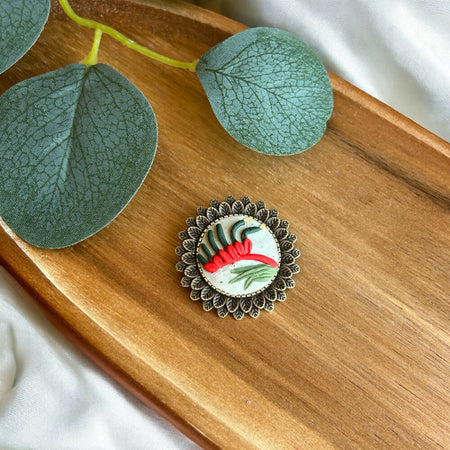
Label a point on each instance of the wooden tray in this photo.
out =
(358, 355)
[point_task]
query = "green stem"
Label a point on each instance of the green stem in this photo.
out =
(248, 231)
(207, 252)
(123, 39)
(92, 58)
(221, 236)
(212, 241)
(238, 224)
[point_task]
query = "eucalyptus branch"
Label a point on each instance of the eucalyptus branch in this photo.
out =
(266, 87)
(121, 38)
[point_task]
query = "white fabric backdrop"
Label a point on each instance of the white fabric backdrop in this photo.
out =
(51, 396)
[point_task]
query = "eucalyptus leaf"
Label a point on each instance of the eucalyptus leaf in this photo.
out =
(268, 90)
(21, 23)
(75, 146)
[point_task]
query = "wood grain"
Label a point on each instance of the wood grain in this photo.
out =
(357, 357)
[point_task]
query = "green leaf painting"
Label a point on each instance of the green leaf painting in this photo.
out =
(21, 23)
(75, 146)
(268, 90)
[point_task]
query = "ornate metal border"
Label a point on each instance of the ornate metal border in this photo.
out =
(223, 303)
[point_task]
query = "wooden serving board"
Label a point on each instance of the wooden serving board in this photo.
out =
(357, 357)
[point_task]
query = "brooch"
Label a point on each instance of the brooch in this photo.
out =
(237, 257)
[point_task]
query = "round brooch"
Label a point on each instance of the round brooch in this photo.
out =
(238, 257)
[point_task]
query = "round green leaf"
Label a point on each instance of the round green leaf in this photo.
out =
(75, 146)
(268, 90)
(21, 23)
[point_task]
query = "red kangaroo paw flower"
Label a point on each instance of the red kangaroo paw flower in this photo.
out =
(261, 258)
(239, 248)
(226, 258)
(217, 260)
(232, 252)
(247, 246)
(211, 267)
(236, 252)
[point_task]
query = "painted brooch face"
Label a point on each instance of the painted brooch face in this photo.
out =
(237, 257)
